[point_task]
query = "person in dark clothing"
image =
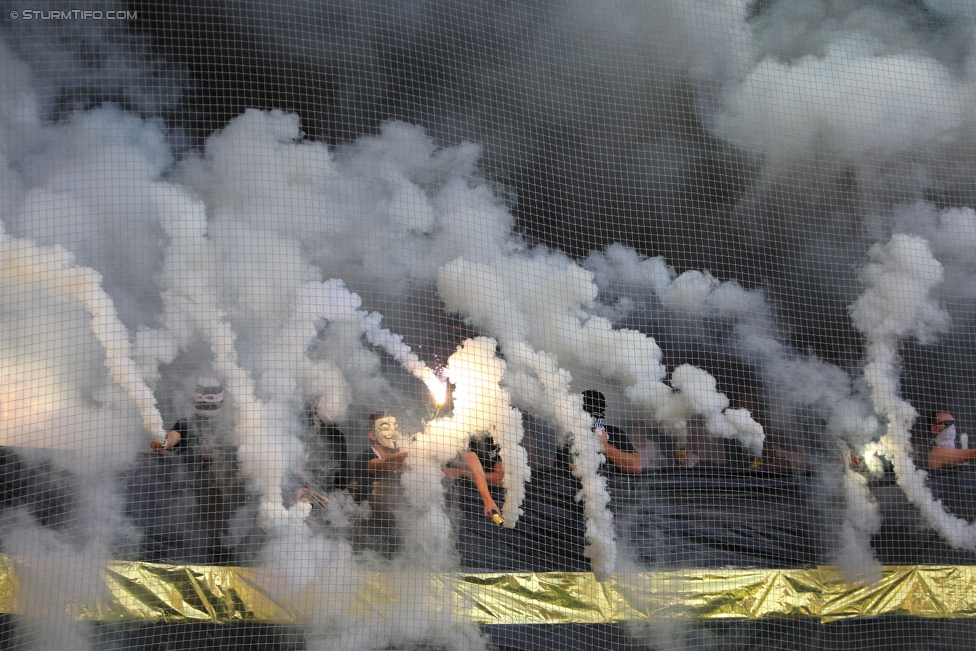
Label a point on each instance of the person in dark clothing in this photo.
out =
(481, 463)
(210, 467)
(195, 435)
(382, 461)
(375, 479)
(326, 466)
(622, 456)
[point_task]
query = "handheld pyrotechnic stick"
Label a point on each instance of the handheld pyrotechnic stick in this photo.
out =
(497, 519)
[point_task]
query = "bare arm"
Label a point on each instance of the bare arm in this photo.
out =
(496, 476)
(477, 473)
(628, 462)
(941, 457)
(389, 463)
(456, 473)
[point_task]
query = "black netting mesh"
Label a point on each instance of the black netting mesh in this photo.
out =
(487, 324)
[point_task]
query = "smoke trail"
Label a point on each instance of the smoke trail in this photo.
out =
(551, 311)
(192, 310)
(332, 301)
(382, 214)
(696, 394)
(861, 520)
(692, 315)
(393, 344)
(53, 269)
(490, 295)
(480, 406)
(55, 579)
(697, 315)
(898, 303)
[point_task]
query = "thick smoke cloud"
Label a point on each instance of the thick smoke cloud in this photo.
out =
(718, 170)
(621, 121)
(768, 142)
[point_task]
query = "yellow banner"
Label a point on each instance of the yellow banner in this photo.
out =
(166, 593)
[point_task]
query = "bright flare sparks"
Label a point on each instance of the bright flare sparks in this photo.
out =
(438, 389)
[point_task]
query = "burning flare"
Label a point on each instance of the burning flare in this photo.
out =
(437, 388)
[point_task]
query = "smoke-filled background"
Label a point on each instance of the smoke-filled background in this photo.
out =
(742, 221)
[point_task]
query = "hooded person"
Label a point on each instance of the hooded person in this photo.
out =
(327, 463)
(212, 466)
(196, 435)
(325, 466)
(616, 446)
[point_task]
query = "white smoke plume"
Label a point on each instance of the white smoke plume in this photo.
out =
(381, 214)
(535, 305)
(543, 299)
(193, 311)
(898, 303)
(698, 395)
(56, 579)
(692, 309)
(791, 382)
(32, 396)
(853, 100)
(68, 79)
(861, 521)
(500, 298)
(352, 605)
(387, 212)
(481, 406)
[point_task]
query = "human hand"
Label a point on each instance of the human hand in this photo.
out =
(397, 457)
(157, 446)
(492, 512)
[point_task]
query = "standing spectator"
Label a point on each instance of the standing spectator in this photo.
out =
(376, 480)
(482, 464)
(621, 455)
(944, 453)
(212, 464)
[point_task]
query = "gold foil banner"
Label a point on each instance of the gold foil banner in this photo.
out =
(165, 593)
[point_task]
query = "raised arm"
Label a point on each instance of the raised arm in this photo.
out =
(942, 457)
(389, 463)
(628, 462)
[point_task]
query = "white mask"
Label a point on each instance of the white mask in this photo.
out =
(386, 432)
(946, 438)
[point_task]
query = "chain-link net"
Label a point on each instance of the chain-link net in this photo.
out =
(487, 324)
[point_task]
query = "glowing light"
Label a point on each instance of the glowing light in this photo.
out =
(438, 389)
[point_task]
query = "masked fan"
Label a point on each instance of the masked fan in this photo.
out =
(946, 451)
